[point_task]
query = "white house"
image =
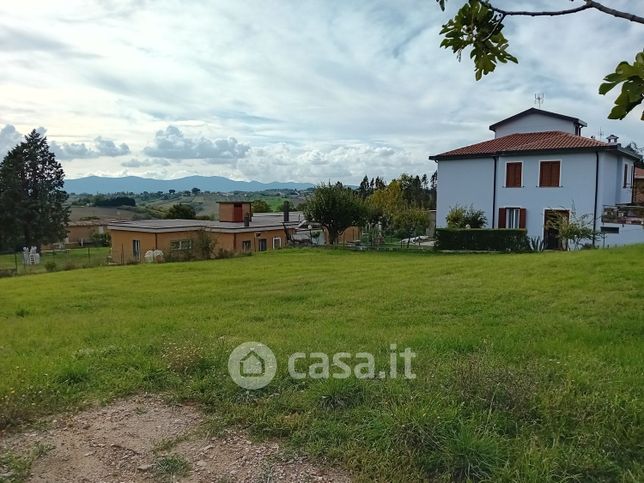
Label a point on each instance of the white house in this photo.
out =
(537, 166)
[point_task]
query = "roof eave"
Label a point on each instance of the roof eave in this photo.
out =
(591, 149)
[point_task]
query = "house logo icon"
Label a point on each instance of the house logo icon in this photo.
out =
(252, 365)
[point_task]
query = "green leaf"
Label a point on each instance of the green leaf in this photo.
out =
(632, 93)
(606, 87)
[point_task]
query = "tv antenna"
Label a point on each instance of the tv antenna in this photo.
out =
(539, 98)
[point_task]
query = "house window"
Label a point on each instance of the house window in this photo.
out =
(549, 174)
(626, 184)
(609, 229)
(513, 175)
(277, 243)
(245, 245)
(512, 218)
(136, 249)
(181, 245)
(262, 244)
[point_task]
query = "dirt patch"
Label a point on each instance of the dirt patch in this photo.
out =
(145, 439)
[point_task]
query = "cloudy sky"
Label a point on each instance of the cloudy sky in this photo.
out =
(301, 90)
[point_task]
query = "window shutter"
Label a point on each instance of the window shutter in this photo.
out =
(522, 218)
(501, 217)
(544, 174)
(549, 173)
(555, 173)
(513, 175)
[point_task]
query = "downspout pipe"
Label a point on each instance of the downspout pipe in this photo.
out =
(596, 196)
(496, 159)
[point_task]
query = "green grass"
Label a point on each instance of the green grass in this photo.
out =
(529, 367)
(169, 467)
(58, 260)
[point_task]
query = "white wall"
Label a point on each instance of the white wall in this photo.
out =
(464, 182)
(611, 180)
(577, 188)
(470, 182)
(628, 234)
(535, 123)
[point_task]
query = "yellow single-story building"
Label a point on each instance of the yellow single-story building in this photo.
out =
(238, 230)
(178, 239)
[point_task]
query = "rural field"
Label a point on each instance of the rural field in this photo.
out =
(529, 367)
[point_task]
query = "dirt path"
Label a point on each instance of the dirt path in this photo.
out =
(145, 439)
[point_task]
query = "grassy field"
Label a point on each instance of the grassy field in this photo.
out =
(529, 367)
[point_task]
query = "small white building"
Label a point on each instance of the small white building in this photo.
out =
(538, 166)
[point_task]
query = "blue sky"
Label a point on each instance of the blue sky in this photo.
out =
(307, 90)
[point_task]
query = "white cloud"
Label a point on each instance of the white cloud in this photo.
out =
(102, 147)
(9, 137)
(171, 143)
(315, 90)
(135, 163)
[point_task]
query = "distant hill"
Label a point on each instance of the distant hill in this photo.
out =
(135, 184)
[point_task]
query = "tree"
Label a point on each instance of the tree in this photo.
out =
(400, 205)
(181, 211)
(416, 191)
(336, 208)
(114, 201)
(637, 150)
(32, 199)
(195, 191)
(384, 203)
(479, 25)
(260, 206)
(574, 230)
(410, 222)
(365, 189)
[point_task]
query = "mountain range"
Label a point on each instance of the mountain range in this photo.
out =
(135, 184)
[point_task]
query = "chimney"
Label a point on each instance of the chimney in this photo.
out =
(286, 213)
(247, 220)
(612, 139)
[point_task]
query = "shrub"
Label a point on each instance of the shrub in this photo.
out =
(205, 245)
(181, 211)
(462, 217)
(223, 253)
(574, 230)
(101, 239)
(50, 266)
(482, 239)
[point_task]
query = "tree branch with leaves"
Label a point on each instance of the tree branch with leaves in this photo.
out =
(478, 25)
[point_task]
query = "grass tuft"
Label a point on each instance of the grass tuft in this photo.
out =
(170, 467)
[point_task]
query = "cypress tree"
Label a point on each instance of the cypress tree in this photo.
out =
(32, 199)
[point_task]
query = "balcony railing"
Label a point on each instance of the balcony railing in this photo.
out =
(627, 214)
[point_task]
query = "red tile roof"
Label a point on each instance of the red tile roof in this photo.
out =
(639, 173)
(534, 141)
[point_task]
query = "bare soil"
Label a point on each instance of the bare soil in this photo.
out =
(129, 441)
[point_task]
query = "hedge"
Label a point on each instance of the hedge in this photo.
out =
(483, 239)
